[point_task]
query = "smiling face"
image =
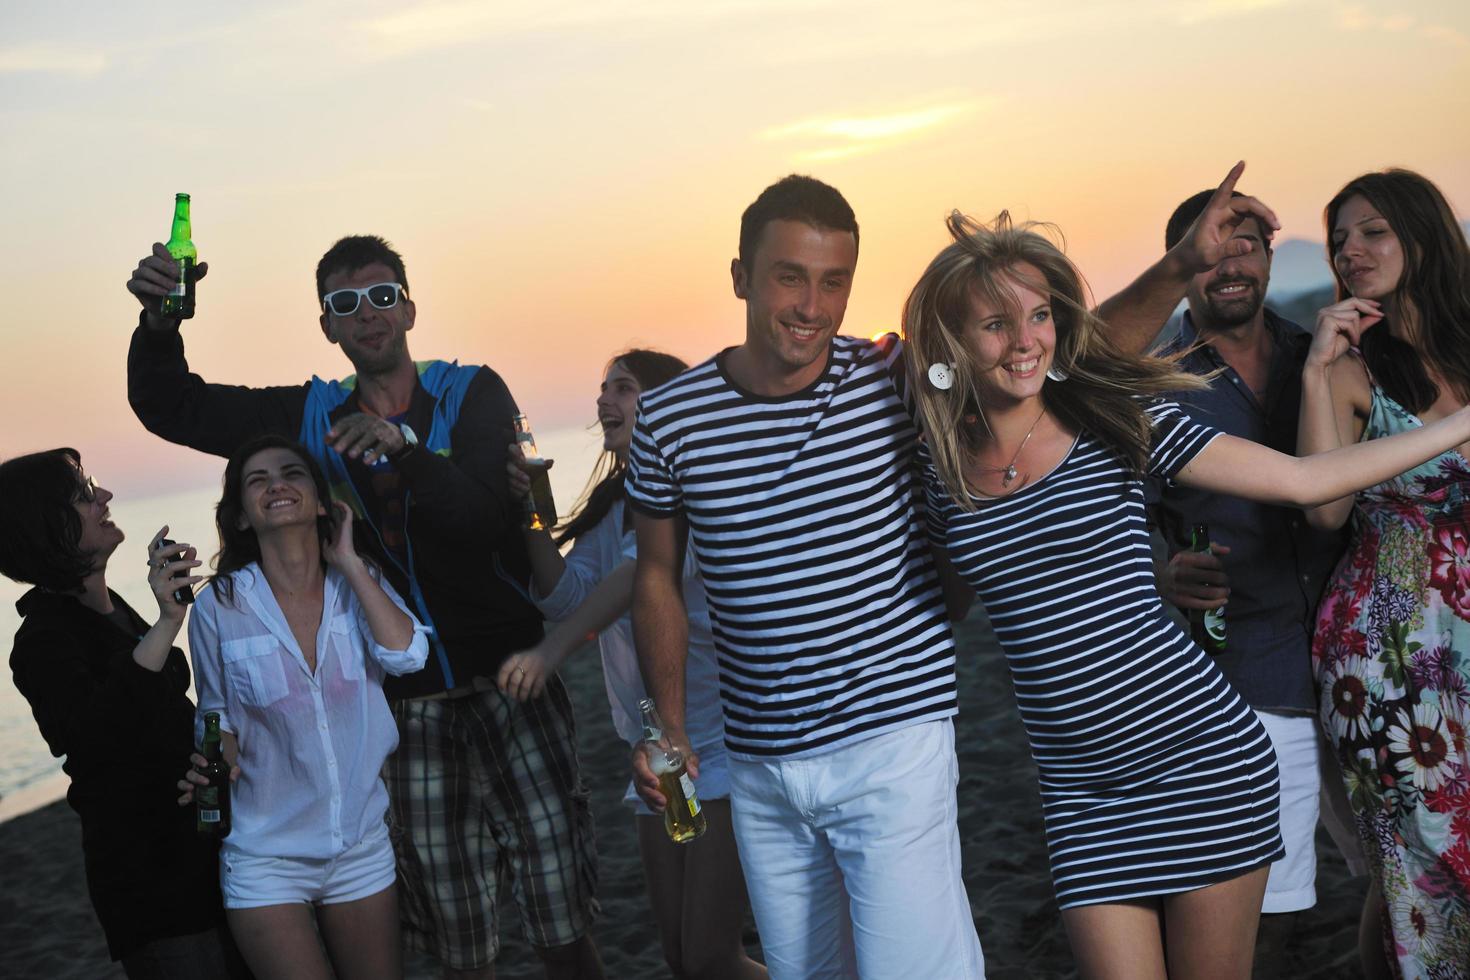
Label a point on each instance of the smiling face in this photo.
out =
(1366, 254)
(99, 537)
(374, 340)
(1011, 343)
(617, 408)
(1232, 292)
(795, 294)
(277, 490)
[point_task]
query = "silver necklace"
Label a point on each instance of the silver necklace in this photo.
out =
(1008, 473)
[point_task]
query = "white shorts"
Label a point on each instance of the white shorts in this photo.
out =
(852, 859)
(364, 869)
(713, 782)
(1292, 884)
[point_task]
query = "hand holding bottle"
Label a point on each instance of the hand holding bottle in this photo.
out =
(153, 279)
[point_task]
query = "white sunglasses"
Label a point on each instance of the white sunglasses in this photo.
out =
(344, 302)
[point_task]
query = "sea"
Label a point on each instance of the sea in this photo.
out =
(29, 775)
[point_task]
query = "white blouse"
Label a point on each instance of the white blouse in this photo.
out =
(598, 552)
(311, 745)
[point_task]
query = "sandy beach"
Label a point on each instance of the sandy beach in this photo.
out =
(47, 929)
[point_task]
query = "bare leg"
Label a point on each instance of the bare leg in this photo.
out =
(1210, 933)
(280, 942)
(698, 896)
(362, 937)
(1122, 941)
(1370, 935)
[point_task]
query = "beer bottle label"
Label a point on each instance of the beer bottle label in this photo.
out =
(1215, 625)
(209, 816)
(687, 785)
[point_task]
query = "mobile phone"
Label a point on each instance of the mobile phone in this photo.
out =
(182, 595)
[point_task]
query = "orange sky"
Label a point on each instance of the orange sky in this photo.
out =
(565, 180)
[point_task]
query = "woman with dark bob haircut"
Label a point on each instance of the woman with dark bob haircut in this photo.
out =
(109, 693)
(1392, 648)
(291, 640)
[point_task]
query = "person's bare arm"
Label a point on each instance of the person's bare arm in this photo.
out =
(1335, 394)
(524, 674)
(661, 633)
(1248, 469)
(1137, 313)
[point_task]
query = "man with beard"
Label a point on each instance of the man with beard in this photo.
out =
(1268, 566)
(484, 789)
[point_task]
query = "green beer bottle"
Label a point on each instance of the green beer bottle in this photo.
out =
(179, 302)
(1206, 626)
(212, 801)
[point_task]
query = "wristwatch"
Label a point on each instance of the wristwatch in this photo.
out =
(410, 440)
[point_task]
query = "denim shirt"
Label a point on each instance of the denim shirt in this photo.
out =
(1278, 564)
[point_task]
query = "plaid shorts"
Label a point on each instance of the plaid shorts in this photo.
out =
(486, 795)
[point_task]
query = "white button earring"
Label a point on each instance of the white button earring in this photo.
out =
(941, 375)
(1055, 373)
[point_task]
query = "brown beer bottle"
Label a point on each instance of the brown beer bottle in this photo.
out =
(540, 507)
(212, 801)
(683, 818)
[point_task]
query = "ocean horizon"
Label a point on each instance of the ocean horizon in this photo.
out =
(30, 776)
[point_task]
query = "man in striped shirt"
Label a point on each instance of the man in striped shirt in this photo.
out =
(786, 463)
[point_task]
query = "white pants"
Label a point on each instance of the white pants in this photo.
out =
(852, 859)
(1292, 884)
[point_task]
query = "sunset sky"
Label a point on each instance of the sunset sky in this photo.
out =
(565, 179)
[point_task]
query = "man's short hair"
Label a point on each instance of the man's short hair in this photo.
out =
(795, 198)
(1185, 214)
(358, 252)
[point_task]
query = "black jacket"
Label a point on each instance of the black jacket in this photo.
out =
(469, 557)
(126, 733)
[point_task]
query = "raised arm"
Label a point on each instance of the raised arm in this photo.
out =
(1335, 394)
(1137, 313)
(177, 405)
(398, 641)
(1248, 469)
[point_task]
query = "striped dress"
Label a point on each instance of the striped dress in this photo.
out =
(824, 602)
(1155, 776)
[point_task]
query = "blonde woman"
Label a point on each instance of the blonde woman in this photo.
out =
(1158, 782)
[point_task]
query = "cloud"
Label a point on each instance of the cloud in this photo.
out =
(444, 23)
(51, 59)
(1206, 10)
(1357, 17)
(847, 136)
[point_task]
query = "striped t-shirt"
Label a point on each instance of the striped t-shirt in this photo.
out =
(826, 608)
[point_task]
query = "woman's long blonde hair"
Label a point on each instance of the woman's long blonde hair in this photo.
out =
(1101, 382)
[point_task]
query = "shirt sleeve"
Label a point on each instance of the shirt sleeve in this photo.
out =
(1177, 438)
(463, 498)
(935, 500)
(652, 486)
(82, 714)
(580, 576)
(395, 662)
(204, 653)
(176, 404)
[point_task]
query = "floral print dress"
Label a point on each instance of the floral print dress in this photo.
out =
(1392, 660)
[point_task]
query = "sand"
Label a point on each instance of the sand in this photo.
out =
(47, 929)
